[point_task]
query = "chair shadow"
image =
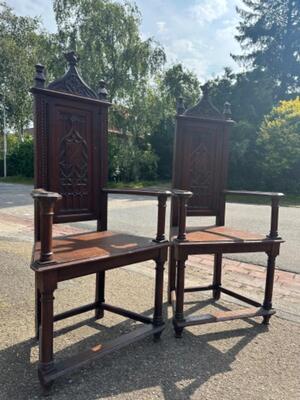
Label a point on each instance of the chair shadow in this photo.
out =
(175, 367)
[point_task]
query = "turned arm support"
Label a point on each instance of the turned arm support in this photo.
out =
(46, 201)
(275, 198)
(162, 196)
(183, 197)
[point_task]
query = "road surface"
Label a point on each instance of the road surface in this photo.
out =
(137, 214)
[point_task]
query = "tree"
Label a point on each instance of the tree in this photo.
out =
(269, 34)
(173, 83)
(106, 36)
(20, 42)
(279, 139)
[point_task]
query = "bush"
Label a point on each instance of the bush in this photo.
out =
(279, 141)
(130, 162)
(19, 156)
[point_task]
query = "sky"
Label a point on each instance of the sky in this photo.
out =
(197, 33)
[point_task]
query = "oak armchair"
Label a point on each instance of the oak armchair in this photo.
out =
(70, 180)
(199, 190)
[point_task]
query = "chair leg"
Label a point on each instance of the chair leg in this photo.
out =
(158, 303)
(46, 361)
(217, 275)
(267, 305)
(37, 308)
(179, 316)
(99, 297)
(172, 274)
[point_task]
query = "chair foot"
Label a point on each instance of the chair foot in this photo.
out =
(216, 294)
(266, 320)
(47, 389)
(178, 332)
(156, 337)
(99, 313)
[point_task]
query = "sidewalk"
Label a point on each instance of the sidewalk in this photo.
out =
(230, 361)
(247, 278)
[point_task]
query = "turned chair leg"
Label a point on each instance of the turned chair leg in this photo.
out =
(46, 361)
(99, 297)
(179, 316)
(267, 305)
(172, 275)
(217, 275)
(37, 308)
(158, 302)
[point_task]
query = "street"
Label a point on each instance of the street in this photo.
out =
(137, 214)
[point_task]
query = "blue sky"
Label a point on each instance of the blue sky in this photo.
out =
(197, 33)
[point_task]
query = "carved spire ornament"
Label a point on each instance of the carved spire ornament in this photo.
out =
(72, 82)
(204, 108)
(39, 76)
(102, 91)
(180, 106)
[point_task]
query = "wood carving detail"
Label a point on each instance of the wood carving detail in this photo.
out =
(200, 172)
(73, 162)
(72, 82)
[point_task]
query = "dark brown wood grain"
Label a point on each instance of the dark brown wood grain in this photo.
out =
(71, 165)
(200, 166)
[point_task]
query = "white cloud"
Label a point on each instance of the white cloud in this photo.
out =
(161, 26)
(208, 10)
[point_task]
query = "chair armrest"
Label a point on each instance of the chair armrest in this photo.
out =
(139, 192)
(183, 197)
(251, 193)
(46, 201)
(275, 197)
(162, 196)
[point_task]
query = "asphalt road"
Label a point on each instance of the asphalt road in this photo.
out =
(138, 215)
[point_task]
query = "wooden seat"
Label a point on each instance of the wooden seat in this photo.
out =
(94, 246)
(200, 166)
(219, 234)
(71, 168)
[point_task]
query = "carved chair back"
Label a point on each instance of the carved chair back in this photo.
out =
(200, 158)
(70, 122)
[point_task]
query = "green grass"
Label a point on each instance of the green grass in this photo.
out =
(17, 179)
(140, 185)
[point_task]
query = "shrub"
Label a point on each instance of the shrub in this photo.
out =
(19, 156)
(279, 141)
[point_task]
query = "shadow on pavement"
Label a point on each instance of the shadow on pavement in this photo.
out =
(172, 368)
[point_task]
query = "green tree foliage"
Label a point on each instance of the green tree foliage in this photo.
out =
(106, 36)
(251, 97)
(21, 39)
(19, 157)
(279, 140)
(269, 34)
(173, 83)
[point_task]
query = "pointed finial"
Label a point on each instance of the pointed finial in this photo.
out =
(72, 58)
(180, 106)
(227, 110)
(39, 76)
(205, 90)
(102, 91)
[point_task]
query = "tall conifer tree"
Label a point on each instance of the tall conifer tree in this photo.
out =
(269, 34)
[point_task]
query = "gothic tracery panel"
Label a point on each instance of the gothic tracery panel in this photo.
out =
(201, 170)
(73, 162)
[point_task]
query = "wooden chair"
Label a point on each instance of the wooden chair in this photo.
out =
(200, 169)
(70, 178)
